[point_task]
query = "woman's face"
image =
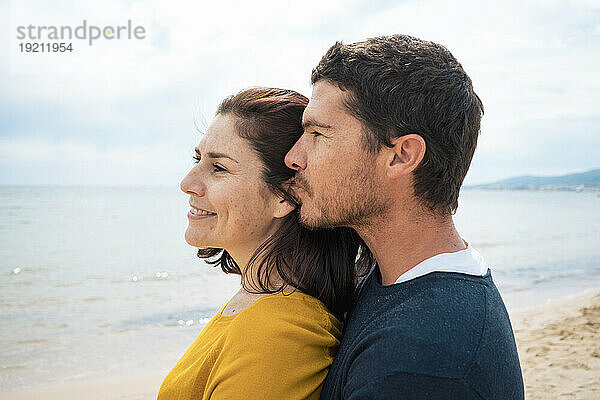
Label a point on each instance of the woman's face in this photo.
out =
(231, 206)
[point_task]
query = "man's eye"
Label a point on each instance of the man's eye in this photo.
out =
(218, 168)
(196, 158)
(315, 133)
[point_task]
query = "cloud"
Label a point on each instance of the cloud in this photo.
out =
(533, 63)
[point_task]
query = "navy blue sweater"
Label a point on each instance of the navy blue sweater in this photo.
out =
(440, 336)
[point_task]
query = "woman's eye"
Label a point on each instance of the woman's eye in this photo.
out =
(218, 168)
(196, 158)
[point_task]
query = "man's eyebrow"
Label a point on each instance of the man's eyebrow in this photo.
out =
(313, 122)
(211, 154)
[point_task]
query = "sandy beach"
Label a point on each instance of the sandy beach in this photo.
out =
(559, 347)
(128, 387)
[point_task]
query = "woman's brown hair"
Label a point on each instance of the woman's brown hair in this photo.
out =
(322, 263)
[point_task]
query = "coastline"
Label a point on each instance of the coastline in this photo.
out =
(558, 345)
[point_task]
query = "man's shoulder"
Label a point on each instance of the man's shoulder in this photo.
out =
(436, 326)
(422, 304)
(431, 327)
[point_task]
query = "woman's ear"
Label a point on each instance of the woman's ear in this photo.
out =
(283, 208)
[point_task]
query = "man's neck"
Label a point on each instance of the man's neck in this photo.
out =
(400, 242)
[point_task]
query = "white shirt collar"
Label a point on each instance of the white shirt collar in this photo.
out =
(467, 261)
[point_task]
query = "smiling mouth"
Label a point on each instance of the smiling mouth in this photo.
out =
(197, 211)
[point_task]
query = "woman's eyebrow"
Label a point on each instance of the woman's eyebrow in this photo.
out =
(211, 154)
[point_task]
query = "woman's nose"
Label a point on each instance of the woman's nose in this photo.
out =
(192, 183)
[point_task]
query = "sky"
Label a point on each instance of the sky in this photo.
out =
(129, 112)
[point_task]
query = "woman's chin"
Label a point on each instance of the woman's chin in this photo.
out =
(194, 240)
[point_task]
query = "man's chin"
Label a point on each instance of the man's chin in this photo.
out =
(313, 220)
(308, 219)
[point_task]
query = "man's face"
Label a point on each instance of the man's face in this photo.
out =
(337, 179)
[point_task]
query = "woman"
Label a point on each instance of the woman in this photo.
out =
(275, 338)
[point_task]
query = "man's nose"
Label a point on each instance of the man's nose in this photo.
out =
(296, 158)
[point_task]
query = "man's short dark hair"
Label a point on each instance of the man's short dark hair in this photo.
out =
(399, 85)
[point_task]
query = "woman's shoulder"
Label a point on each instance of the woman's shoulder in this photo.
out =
(289, 336)
(290, 304)
(284, 312)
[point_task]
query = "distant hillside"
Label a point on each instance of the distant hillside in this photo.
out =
(589, 180)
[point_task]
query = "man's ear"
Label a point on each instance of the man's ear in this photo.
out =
(405, 155)
(283, 208)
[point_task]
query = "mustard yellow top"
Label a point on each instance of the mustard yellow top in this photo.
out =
(279, 347)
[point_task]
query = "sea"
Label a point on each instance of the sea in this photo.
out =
(98, 282)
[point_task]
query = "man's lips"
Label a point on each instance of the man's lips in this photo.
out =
(299, 189)
(300, 186)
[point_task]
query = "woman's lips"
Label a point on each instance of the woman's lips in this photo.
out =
(197, 213)
(197, 216)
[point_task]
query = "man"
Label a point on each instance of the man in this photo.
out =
(390, 132)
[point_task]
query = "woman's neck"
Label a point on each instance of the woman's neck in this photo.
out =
(249, 264)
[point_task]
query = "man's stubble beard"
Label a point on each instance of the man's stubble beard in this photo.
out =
(353, 202)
